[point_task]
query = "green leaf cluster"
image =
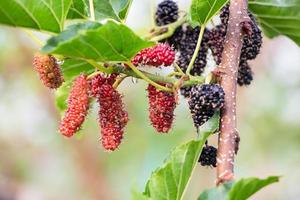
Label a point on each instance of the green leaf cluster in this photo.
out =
(239, 190)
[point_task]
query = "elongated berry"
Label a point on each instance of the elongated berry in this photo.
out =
(157, 56)
(78, 105)
(49, 70)
(204, 101)
(112, 117)
(166, 13)
(161, 109)
(216, 42)
(208, 156)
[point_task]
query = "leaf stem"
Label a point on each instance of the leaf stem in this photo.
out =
(178, 69)
(92, 10)
(147, 79)
(162, 32)
(119, 81)
(191, 64)
(100, 67)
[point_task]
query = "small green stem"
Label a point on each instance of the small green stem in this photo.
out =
(147, 79)
(174, 74)
(92, 10)
(178, 69)
(156, 34)
(100, 67)
(119, 81)
(191, 64)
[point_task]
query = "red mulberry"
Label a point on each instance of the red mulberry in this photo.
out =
(112, 117)
(161, 109)
(49, 71)
(159, 55)
(98, 81)
(78, 105)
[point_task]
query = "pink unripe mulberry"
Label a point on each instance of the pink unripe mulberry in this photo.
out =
(159, 55)
(48, 69)
(98, 81)
(112, 117)
(78, 105)
(161, 109)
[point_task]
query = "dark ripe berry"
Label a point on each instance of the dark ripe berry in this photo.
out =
(208, 156)
(252, 43)
(161, 109)
(245, 74)
(112, 117)
(224, 15)
(204, 101)
(216, 42)
(157, 56)
(78, 105)
(166, 13)
(185, 40)
(185, 91)
(97, 81)
(49, 70)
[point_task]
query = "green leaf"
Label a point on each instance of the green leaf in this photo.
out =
(109, 42)
(61, 96)
(135, 195)
(78, 10)
(121, 7)
(43, 15)
(170, 181)
(240, 190)
(202, 11)
(104, 9)
(219, 192)
(71, 69)
(245, 188)
(278, 17)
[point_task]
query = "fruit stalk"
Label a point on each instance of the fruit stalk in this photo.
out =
(228, 69)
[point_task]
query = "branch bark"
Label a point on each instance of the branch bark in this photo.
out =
(228, 137)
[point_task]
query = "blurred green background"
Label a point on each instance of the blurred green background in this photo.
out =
(36, 162)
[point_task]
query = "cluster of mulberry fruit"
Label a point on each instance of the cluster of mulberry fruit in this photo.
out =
(203, 100)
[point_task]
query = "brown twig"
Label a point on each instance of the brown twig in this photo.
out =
(228, 74)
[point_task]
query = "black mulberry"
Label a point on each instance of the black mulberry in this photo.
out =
(204, 101)
(208, 156)
(166, 13)
(245, 74)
